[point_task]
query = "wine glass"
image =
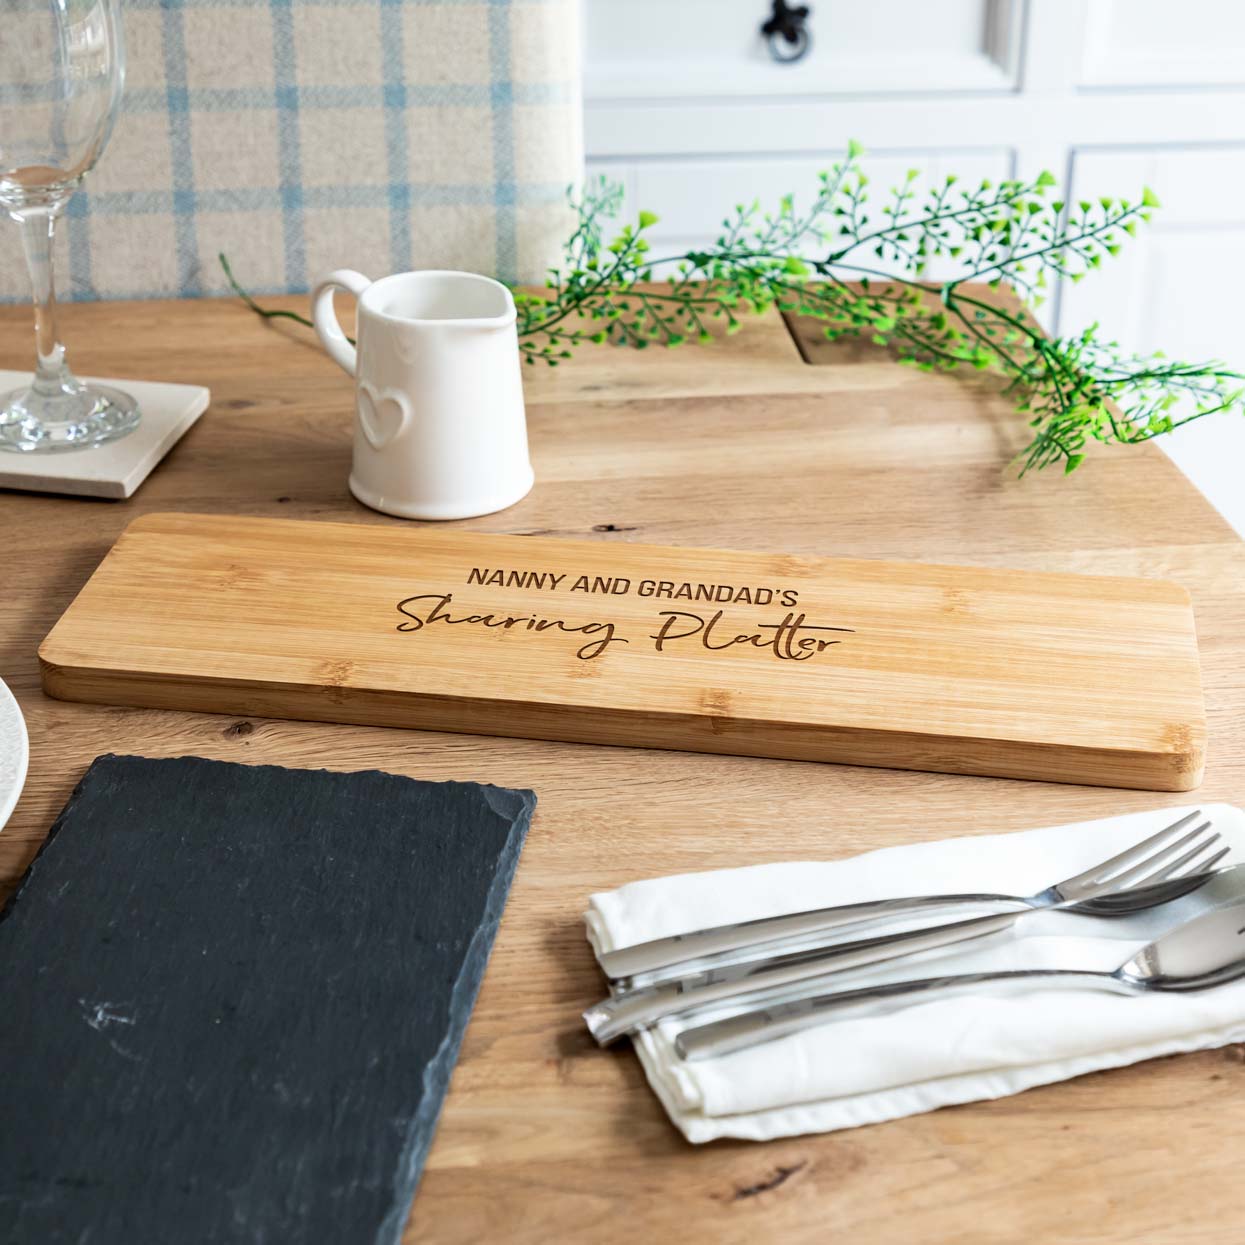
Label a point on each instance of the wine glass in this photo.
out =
(62, 64)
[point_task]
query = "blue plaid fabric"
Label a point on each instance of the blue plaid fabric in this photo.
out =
(298, 136)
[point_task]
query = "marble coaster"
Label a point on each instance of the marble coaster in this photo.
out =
(114, 470)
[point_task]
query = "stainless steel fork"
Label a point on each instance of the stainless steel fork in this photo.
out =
(678, 949)
(1161, 857)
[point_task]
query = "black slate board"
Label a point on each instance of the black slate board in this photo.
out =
(232, 998)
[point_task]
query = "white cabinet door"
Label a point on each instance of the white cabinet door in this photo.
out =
(1179, 286)
(689, 196)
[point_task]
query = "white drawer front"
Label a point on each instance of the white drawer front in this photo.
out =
(677, 48)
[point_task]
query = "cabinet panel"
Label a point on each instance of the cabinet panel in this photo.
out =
(1158, 43)
(656, 48)
(1177, 287)
(690, 196)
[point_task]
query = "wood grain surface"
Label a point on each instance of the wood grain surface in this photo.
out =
(733, 445)
(963, 670)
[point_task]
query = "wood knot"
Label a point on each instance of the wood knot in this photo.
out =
(235, 575)
(717, 704)
(955, 603)
(238, 730)
(1177, 737)
(775, 1179)
(789, 566)
(335, 672)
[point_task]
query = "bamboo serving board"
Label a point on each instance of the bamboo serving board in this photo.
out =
(953, 669)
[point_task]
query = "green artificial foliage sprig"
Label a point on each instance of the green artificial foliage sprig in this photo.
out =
(867, 266)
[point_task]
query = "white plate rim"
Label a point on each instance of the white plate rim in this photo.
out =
(11, 711)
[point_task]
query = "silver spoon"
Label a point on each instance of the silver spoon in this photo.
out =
(628, 1010)
(1204, 952)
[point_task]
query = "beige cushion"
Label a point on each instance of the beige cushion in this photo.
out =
(299, 136)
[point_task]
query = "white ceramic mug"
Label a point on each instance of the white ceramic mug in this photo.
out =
(440, 431)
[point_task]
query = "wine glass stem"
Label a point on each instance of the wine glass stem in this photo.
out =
(52, 375)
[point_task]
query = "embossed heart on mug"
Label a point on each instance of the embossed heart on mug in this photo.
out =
(382, 414)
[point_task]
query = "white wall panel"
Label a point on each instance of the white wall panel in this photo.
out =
(1194, 43)
(1177, 287)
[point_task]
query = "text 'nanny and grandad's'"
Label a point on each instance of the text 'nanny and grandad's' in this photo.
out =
(791, 638)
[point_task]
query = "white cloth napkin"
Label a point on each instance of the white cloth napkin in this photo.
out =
(940, 1051)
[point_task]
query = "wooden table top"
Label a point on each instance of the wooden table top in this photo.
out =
(739, 444)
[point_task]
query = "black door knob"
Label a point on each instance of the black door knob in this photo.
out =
(786, 33)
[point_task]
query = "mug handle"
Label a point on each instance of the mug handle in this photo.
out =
(325, 318)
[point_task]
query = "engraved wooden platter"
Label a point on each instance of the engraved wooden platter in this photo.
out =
(954, 669)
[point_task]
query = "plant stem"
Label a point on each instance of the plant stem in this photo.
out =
(268, 313)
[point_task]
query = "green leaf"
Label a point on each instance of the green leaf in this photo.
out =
(1045, 178)
(796, 266)
(854, 150)
(648, 219)
(1149, 198)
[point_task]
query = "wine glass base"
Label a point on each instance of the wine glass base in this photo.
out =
(104, 414)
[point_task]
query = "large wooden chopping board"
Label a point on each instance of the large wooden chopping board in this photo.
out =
(963, 670)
